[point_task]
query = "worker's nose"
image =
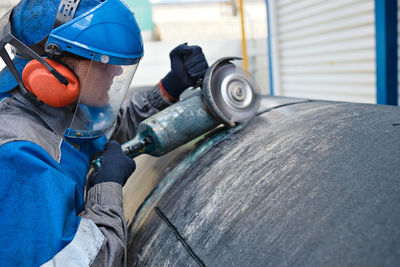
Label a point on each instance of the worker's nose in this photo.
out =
(114, 70)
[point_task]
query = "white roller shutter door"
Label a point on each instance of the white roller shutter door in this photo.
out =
(324, 49)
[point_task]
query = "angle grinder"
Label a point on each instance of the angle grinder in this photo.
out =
(228, 95)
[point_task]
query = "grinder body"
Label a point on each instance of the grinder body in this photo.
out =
(172, 127)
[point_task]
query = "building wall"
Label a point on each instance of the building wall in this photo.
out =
(324, 49)
(213, 26)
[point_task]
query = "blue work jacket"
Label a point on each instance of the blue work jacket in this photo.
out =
(44, 216)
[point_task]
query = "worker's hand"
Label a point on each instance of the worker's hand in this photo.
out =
(116, 166)
(188, 66)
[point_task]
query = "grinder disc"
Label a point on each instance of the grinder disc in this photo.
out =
(230, 93)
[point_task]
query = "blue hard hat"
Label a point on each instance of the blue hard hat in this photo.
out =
(105, 31)
(108, 33)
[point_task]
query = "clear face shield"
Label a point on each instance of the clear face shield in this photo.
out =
(103, 87)
(104, 80)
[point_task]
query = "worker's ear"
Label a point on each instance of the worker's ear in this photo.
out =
(46, 87)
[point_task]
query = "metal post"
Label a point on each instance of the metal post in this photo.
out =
(271, 75)
(244, 45)
(386, 52)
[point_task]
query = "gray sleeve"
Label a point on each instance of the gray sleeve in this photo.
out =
(101, 236)
(139, 106)
(104, 208)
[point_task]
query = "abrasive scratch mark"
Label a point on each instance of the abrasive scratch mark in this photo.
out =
(165, 184)
(180, 238)
(284, 105)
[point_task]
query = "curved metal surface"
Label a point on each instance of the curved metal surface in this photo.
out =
(305, 183)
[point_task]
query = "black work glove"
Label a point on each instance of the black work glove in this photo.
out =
(116, 166)
(188, 66)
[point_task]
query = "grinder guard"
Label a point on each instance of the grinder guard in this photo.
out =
(230, 93)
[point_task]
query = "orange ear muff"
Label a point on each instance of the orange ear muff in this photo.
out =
(46, 87)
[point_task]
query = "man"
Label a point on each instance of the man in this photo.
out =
(56, 114)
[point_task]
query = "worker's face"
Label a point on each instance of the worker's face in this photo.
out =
(103, 88)
(95, 80)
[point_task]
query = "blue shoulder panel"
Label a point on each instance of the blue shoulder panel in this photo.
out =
(38, 202)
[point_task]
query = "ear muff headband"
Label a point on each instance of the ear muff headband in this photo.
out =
(46, 87)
